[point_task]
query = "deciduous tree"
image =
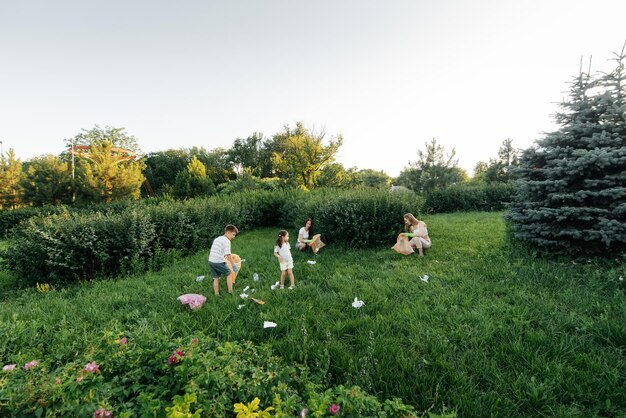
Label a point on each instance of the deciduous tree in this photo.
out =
(193, 181)
(303, 155)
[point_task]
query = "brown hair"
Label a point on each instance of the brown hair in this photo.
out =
(281, 234)
(231, 228)
(311, 227)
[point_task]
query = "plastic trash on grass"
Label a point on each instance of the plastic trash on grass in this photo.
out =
(193, 300)
(269, 324)
(357, 303)
(424, 278)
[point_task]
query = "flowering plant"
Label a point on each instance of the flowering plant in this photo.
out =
(92, 367)
(31, 365)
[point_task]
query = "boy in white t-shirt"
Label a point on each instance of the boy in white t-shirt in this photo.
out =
(220, 249)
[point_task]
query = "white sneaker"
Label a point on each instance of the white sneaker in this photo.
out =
(290, 287)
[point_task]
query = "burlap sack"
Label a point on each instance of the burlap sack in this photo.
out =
(316, 242)
(402, 245)
(237, 261)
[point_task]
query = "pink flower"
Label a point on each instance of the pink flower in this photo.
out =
(31, 364)
(303, 413)
(92, 367)
(123, 341)
(333, 409)
(9, 367)
(176, 357)
(102, 413)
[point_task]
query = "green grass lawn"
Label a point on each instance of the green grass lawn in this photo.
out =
(495, 331)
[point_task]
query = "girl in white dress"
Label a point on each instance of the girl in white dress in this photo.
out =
(282, 251)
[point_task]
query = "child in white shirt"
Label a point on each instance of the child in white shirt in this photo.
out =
(282, 251)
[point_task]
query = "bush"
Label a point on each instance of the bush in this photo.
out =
(362, 218)
(464, 198)
(148, 376)
(247, 183)
(12, 217)
(66, 247)
(127, 238)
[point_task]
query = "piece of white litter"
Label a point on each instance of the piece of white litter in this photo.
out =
(269, 324)
(357, 303)
(253, 290)
(245, 289)
(621, 279)
(275, 285)
(199, 278)
(311, 261)
(240, 306)
(255, 277)
(243, 260)
(243, 296)
(193, 300)
(425, 278)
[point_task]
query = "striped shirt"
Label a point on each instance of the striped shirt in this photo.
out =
(220, 247)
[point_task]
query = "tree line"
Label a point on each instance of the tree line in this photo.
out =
(104, 164)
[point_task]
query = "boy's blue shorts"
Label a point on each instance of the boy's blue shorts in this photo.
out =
(219, 269)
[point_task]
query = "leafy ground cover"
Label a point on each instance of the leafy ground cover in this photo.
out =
(494, 331)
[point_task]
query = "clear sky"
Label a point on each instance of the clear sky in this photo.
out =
(387, 75)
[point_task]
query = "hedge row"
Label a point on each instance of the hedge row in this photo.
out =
(458, 198)
(127, 238)
(74, 246)
(464, 198)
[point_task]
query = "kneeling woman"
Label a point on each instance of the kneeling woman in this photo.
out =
(303, 238)
(416, 235)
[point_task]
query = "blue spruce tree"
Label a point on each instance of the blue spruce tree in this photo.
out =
(571, 187)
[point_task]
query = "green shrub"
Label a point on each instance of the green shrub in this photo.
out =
(68, 246)
(464, 198)
(362, 218)
(248, 183)
(152, 376)
(12, 217)
(191, 225)
(126, 237)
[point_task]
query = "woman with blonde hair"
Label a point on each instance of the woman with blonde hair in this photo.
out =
(416, 237)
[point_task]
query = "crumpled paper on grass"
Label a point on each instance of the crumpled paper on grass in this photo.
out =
(193, 300)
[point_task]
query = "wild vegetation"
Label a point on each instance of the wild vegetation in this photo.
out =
(494, 331)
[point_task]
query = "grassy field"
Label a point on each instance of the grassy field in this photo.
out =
(495, 331)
